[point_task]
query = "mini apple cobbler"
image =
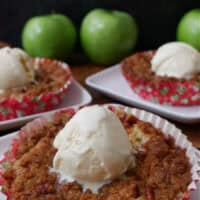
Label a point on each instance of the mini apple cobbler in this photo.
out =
(30, 85)
(95, 154)
(168, 76)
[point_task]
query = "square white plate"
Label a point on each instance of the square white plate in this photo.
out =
(111, 82)
(76, 95)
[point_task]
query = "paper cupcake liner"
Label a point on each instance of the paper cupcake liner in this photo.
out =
(13, 107)
(181, 140)
(166, 127)
(167, 92)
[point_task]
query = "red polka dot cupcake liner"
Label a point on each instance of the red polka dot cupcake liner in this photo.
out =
(174, 93)
(14, 107)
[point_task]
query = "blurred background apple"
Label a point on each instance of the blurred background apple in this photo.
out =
(189, 28)
(108, 35)
(51, 36)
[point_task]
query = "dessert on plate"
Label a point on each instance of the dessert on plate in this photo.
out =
(96, 153)
(169, 75)
(30, 85)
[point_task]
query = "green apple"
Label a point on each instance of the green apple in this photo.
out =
(51, 36)
(188, 29)
(108, 36)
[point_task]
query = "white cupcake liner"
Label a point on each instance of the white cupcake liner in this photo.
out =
(169, 129)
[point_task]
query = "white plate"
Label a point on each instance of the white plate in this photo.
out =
(111, 82)
(75, 95)
(6, 141)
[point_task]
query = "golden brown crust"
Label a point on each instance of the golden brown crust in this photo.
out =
(138, 67)
(162, 171)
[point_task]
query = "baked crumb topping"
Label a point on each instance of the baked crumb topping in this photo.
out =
(46, 80)
(138, 67)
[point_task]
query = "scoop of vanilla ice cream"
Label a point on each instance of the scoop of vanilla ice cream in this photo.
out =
(176, 59)
(16, 68)
(93, 148)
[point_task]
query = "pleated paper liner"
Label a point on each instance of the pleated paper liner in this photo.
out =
(166, 127)
(181, 140)
(177, 93)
